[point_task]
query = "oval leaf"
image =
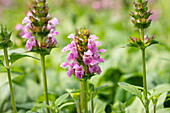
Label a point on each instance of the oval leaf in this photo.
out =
(16, 56)
(161, 89)
(4, 77)
(131, 89)
(61, 99)
(65, 104)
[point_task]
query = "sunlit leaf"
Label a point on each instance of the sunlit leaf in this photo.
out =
(4, 77)
(160, 89)
(66, 104)
(131, 89)
(99, 106)
(37, 106)
(61, 99)
(165, 110)
(101, 87)
(16, 56)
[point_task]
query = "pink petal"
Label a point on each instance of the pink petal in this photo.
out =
(97, 43)
(93, 37)
(27, 35)
(19, 27)
(26, 20)
(71, 36)
(102, 50)
(101, 60)
(64, 64)
(54, 21)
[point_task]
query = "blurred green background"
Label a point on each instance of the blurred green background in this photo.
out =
(111, 22)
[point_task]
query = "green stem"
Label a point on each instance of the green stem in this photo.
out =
(77, 106)
(44, 81)
(142, 34)
(144, 72)
(83, 96)
(154, 108)
(9, 80)
(92, 107)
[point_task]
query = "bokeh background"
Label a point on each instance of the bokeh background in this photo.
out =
(111, 22)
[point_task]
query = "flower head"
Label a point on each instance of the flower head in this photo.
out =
(5, 37)
(141, 15)
(39, 28)
(84, 53)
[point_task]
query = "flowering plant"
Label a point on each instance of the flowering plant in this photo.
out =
(85, 55)
(40, 28)
(40, 31)
(141, 21)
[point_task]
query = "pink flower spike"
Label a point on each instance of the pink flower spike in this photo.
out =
(93, 37)
(102, 50)
(64, 64)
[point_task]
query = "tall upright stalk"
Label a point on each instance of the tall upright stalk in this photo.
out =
(92, 106)
(144, 71)
(9, 80)
(77, 106)
(44, 81)
(83, 96)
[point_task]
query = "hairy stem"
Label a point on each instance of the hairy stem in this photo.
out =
(92, 107)
(154, 108)
(44, 81)
(9, 80)
(77, 106)
(83, 96)
(144, 72)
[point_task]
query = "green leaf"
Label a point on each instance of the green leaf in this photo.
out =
(99, 106)
(74, 94)
(1, 63)
(161, 89)
(37, 106)
(101, 87)
(41, 99)
(4, 77)
(65, 104)
(61, 99)
(131, 89)
(16, 56)
(30, 111)
(29, 105)
(165, 110)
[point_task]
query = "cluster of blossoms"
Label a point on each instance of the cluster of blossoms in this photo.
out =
(141, 20)
(137, 42)
(141, 14)
(84, 53)
(40, 28)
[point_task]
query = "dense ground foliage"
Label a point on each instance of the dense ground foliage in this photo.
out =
(110, 21)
